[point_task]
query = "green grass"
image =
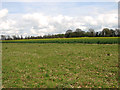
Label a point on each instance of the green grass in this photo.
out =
(56, 65)
(89, 40)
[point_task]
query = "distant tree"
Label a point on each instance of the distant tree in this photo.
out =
(112, 33)
(21, 37)
(17, 37)
(8, 37)
(26, 37)
(29, 37)
(60, 35)
(97, 34)
(39, 37)
(117, 32)
(79, 33)
(14, 37)
(106, 32)
(68, 31)
(3, 37)
(91, 32)
(78, 30)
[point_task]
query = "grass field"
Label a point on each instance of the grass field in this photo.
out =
(88, 40)
(56, 65)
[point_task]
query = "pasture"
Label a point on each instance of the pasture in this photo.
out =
(54, 65)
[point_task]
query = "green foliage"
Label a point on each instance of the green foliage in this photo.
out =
(106, 32)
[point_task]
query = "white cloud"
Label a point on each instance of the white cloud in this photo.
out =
(6, 25)
(40, 24)
(3, 13)
(102, 20)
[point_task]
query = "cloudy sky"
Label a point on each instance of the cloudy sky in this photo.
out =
(18, 17)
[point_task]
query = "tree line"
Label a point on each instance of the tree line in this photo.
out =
(106, 32)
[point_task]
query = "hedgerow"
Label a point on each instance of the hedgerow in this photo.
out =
(88, 40)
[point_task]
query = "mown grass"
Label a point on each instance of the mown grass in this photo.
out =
(89, 40)
(59, 65)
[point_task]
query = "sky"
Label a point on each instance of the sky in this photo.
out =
(18, 17)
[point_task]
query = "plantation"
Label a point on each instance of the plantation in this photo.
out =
(54, 65)
(89, 40)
